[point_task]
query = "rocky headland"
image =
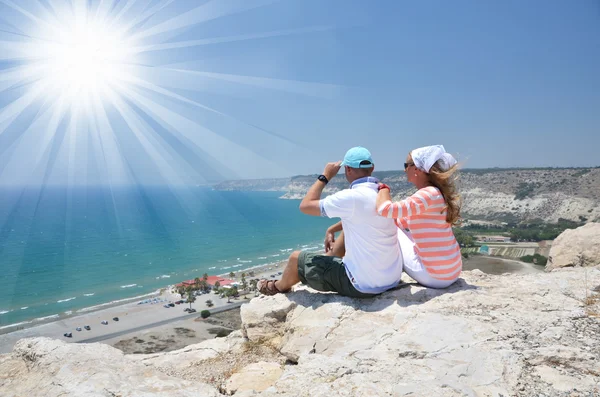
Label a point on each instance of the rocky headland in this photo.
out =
(489, 194)
(506, 335)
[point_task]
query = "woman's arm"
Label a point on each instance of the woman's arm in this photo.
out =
(423, 200)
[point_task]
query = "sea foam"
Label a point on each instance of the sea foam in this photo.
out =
(65, 300)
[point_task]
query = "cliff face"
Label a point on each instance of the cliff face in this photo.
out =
(510, 335)
(491, 194)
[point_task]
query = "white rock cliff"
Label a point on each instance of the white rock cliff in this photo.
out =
(510, 335)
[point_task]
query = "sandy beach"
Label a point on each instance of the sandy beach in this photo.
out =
(133, 317)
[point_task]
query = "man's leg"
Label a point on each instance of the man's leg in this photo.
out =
(339, 247)
(290, 274)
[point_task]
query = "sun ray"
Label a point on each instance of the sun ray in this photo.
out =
(289, 86)
(228, 39)
(201, 136)
(147, 14)
(24, 12)
(11, 111)
(210, 10)
(159, 90)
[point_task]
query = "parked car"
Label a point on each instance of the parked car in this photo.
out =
(68, 334)
(167, 306)
(187, 309)
(104, 322)
(78, 328)
(171, 304)
(192, 310)
(115, 318)
(87, 327)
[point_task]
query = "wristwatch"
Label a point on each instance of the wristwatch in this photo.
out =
(323, 178)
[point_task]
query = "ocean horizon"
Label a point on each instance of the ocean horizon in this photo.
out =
(69, 250)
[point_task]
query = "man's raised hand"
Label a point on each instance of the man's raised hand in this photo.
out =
(331, 169)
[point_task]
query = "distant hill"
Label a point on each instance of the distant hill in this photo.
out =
(500, 194)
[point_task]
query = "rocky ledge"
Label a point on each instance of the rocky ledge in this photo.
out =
(510, 335)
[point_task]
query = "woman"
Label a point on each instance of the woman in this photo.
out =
(431, 254)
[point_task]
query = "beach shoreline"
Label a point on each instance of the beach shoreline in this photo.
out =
(132, 316)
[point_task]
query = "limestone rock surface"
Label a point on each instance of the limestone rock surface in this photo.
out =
(509, 335)
(576, 247)
(50, 367)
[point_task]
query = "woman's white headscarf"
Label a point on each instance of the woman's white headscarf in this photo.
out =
(425, 157)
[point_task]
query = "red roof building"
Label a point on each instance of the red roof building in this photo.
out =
(211, 281)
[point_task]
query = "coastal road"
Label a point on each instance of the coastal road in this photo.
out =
(159, 323)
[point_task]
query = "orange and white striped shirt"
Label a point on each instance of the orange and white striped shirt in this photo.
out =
(424, 214)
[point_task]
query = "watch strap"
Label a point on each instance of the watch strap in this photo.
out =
(323, 178)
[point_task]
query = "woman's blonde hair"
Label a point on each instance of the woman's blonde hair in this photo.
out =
(445, 181)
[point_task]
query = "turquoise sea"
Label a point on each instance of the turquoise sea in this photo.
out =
(65, 250)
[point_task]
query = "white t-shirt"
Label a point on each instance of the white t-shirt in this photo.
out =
(373, 259)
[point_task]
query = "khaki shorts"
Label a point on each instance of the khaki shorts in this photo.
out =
(326, 273)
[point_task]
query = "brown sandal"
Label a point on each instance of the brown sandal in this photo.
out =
(267, 287)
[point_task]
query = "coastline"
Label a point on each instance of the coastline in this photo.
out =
(133, 317)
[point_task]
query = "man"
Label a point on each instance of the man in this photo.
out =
(371, 262)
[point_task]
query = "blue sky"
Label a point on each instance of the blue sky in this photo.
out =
(499, 84)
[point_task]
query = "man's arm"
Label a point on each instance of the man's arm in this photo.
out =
(330, 235)
(335, 228)
(310, 202)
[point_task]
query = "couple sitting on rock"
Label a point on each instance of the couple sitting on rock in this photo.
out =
(379, 239)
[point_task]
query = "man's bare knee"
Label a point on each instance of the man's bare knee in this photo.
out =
(294, 257)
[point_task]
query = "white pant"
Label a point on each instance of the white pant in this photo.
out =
(413, 265)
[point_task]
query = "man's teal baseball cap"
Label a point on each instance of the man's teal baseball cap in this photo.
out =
(358, 157)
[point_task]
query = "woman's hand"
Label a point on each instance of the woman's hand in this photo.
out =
(383, 195)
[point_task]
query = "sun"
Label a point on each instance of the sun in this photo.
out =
(82, 58)
(111, 92)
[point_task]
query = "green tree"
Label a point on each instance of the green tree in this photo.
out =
(204, 285)
(191, 298)
(204, 314)
(217, 285)
(244, 284)
(209, 303)
(253, 284)
(205, 276)
(232, 274)
(197, 283)
(229, 294)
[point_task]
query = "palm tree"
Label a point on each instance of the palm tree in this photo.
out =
(209, 303)
(217, 285)
(203, 285)
(253, 284)
(244, 284)
(205, 276)
(229, 294)
(232, 274)
(190, 297)
(197, 282)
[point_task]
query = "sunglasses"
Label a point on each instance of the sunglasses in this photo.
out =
(406, 165)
